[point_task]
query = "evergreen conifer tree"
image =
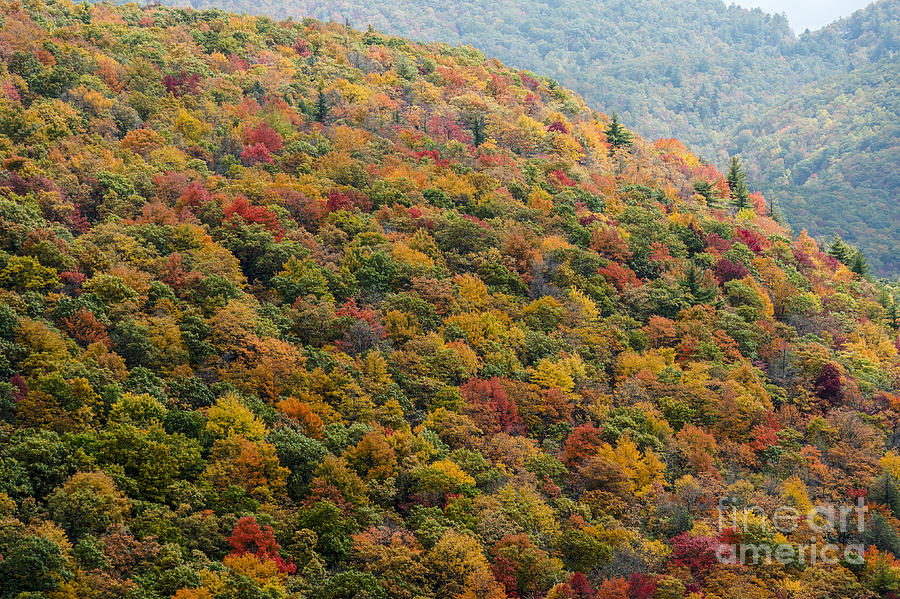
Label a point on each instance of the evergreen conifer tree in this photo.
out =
(881, 534)
(859, 264)
(692, 283)
(705, 189)
(884, 491)
(617, 135)
(737, 183)
(840, 250)
(321, 103)
(775, 213)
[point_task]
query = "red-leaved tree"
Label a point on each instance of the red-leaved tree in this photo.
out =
(828, 383)
(581, 444)
(620, 277)
(249, 537)
(253, 214)
(264, 134)
(256, 153)
(641, 586)
(698, 555)
(726, 270)
(490, 406)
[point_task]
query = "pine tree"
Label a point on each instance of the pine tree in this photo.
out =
(775, 213)
(477, 121)
(321, 104)
(617, 135)
(839, 250)
(885, 492)
(859, 264)
(706, 189)
(881, 534)
(692, 283)
(737, 183)
(257, 91)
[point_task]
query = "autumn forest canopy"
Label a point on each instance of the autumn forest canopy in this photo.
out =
(815, 116)
(294, 310)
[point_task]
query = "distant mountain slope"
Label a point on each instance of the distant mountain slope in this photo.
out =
(830, 155)
(700, 71)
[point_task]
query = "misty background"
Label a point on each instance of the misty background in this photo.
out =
(808, 14)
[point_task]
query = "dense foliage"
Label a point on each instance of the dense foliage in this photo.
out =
(293, 310)
(703, 72)
(830, 155)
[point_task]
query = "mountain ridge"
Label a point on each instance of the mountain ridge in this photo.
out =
(702, 72)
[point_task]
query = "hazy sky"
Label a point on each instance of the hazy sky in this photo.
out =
(812, 14)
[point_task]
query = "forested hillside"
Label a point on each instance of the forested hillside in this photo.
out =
(832, 158)
(291, 310)
(704, 73)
